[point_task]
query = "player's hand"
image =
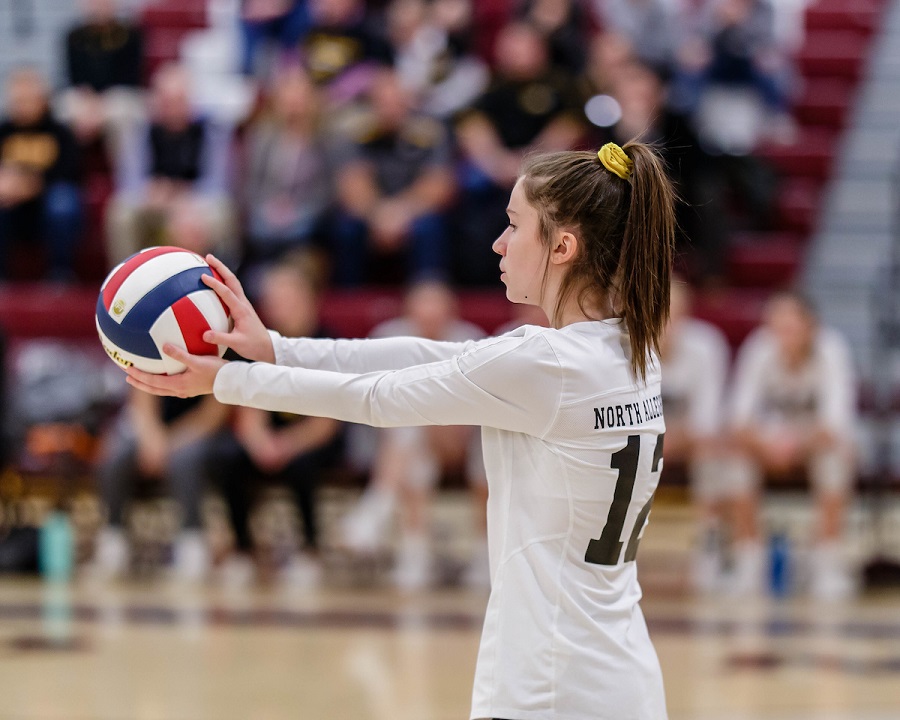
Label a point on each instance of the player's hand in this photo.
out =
(249, 337)
(198, 379)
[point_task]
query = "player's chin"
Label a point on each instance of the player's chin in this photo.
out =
(513, 295)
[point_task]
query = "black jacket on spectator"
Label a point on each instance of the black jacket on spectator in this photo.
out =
(46, 148)
(329, 51)
(520, 110)
(104, 56)
(177, 155)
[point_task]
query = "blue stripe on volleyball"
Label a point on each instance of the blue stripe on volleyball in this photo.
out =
(135, 341)
(133, 334)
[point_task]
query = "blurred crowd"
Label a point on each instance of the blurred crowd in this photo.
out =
(389, 134)
(380, 148)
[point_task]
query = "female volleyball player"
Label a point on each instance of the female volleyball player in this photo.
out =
(571, 416)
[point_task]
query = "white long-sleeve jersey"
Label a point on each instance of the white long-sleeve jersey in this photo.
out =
(821, 392)
(572, 451)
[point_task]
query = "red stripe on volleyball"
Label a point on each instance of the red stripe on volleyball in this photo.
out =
(193, 324)
(115, 282)
(221, 301)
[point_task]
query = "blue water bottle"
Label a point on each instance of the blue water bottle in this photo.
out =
(56, 547)
(779, 565)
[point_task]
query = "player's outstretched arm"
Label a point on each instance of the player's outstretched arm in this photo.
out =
(249, 337)
(198, 379)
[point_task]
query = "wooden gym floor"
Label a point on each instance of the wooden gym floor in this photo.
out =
(150, 650)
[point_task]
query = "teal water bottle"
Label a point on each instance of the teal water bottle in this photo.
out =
(56, 547)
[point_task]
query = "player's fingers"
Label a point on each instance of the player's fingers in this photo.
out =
(217, 338)
(179, 354)
(135, 383)
(229, 297)
(140, 376)
(229, 277)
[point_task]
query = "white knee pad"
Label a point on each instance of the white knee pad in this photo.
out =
(831, 472)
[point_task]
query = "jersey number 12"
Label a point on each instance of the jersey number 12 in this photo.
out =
(606, 549)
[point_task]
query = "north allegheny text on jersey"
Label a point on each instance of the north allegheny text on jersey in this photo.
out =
(628, 415)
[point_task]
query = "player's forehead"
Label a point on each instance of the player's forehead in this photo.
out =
(518, 204)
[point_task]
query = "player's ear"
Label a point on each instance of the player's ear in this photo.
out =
(564, 247)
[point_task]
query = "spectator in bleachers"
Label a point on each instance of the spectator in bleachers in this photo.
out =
(166, 440)
(288, 183)
(104, 63)
(177, 154)
(529, 107)
(433, 61)
(654, 29)
(343, 49)
(40, 202)
(608, 55)
(268, 447)
(409, 461)
(269, 28)
(565, 27)
(641, 111)
(794, 409)
(734, 77)
(394, 188)
(694, 357)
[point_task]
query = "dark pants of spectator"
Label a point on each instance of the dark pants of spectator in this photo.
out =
(239, 480)
(481, 220)
(730, 192)
(55, 218)
(185, 479)
(427, 249)
(285, 29)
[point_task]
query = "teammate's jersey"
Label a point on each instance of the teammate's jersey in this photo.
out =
(693, 378)
(572, 448)
(821, 392)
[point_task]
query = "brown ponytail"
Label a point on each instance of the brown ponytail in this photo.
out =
(627, 233)
(647, 250)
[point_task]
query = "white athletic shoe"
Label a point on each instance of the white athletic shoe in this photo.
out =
(830, 580)
(302, 572)
(237, 572)
(112, 555)
(364, 528)
(748, 573)
(706, 568)
(412, 570)
(191, 556)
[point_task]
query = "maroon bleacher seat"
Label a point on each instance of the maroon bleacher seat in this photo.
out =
(825, 102)
(797, 203)
(765, 260)
(165, 24)
(43, 309)
(185, 15)
(809, 156)
(353, 313)
(833, 53)
(47, 310)
(857, 15)
(736, 311)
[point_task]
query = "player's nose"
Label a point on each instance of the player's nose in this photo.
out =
(499, 245)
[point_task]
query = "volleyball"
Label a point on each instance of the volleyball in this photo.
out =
(156, 297)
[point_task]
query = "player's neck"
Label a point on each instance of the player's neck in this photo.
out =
(573, 311)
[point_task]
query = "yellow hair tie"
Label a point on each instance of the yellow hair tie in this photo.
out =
(615, 160)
